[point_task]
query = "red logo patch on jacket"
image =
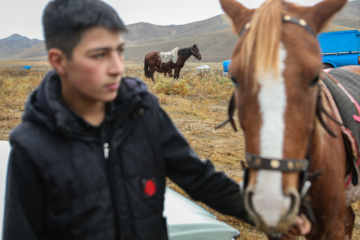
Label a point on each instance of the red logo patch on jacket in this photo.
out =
(149, 187)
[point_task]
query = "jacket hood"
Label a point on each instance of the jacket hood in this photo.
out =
(45, 105)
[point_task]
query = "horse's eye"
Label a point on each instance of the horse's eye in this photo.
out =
(314, 81)
(235, 82)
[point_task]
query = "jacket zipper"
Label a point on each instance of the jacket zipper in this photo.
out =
(106, 150)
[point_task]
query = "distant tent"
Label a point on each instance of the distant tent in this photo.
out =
(27, 67)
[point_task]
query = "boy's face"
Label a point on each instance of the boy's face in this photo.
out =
(97, 64)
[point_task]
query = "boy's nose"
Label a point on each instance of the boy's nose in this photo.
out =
(117, 65)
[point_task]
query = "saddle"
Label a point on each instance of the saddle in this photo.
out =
(344, 87)
(169, 56)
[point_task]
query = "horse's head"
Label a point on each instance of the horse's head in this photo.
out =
(195, 51)
(275, 67)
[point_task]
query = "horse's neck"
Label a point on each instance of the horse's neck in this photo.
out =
(184, 53)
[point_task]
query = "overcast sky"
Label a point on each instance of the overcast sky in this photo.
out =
(24, 16)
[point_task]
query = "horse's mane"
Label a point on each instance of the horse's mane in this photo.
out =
(261, 43)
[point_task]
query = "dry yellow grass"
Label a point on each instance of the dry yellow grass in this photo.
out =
(15, 86)
(195, 103)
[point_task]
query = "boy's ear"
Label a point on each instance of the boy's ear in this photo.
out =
(57, 60)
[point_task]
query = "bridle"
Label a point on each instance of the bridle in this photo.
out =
(283, 165)
(194, 53)
(286, 19)
(302, 166)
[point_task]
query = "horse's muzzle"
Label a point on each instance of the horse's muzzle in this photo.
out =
(286, 220)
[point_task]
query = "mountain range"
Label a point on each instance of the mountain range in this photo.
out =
(214, 37)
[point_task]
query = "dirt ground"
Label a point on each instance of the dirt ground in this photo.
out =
(196, 116)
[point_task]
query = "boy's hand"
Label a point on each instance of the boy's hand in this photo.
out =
(302, 226)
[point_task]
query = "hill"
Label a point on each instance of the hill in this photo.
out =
(347, 19)
(37, 50)
(214, 37)
(17, 41)
(17, 46)
(145, 33)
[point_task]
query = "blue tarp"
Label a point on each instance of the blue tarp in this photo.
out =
(26, 67)
(226, 65)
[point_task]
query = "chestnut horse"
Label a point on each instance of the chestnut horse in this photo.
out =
(295, 152)
(152, 62)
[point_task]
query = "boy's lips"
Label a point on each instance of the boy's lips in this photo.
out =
(112, 86)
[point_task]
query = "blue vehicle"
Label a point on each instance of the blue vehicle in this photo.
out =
(340, 48)
(337, 49)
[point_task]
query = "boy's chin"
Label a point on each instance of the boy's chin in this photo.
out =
(108, 98)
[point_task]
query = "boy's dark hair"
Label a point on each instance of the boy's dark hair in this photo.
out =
(64, 22)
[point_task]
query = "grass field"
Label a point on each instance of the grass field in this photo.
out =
(196, 103)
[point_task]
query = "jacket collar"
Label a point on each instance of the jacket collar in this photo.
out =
(46, 106)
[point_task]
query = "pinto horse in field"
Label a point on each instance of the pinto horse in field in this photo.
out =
(152, 62)
(302, 153)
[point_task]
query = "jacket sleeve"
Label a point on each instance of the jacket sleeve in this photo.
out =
(24, 199)
(199, 178)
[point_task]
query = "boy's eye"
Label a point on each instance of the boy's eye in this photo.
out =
(99, 55)
(121, 50)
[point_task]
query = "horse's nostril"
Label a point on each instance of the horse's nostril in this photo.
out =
(249, 204)
(249, 197)
(294, 204)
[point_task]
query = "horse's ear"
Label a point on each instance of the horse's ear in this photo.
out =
(322, 12)
(239, 14)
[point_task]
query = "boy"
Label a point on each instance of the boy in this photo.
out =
(90, 158)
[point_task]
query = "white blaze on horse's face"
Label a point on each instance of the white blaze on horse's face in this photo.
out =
(268, 199)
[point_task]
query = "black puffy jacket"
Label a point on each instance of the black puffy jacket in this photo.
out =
(70, 180)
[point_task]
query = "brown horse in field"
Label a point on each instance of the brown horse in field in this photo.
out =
(301, 158)
(152, 62)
